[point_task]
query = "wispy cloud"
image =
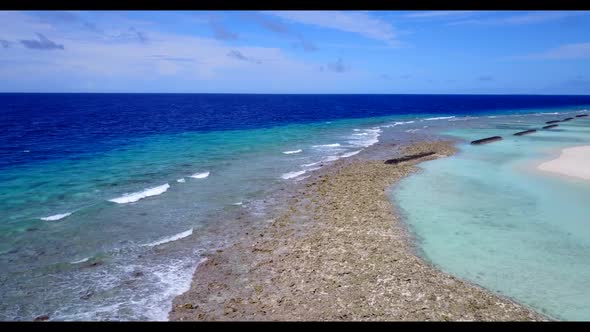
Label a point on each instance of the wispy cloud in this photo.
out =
(42, 44)
(131, 34)
(354, 22)
(522, 18)
(305, 44)
(268, 24)
(5, 43)
(439, 13)
(283, 30)
(164, 63)
(568, 51)
(170, 58)
(141, 36)
(221, 32)
(238, 55)
(66, 17)
(58, 16)
(577, 81)
(337, 67)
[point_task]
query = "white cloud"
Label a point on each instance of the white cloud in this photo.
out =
(568, 51)
(438, 13)
(355, 22)
(523, 18)
(113, 64)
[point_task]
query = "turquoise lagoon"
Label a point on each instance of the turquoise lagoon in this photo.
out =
(488, 216)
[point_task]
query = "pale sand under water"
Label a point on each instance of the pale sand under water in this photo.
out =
(338, 252)
(574, 162)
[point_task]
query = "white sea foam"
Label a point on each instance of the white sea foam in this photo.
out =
(200, 175)
(492, 117)
(312, 164)
(412, 130)
(170, 238)
(237, 203)
(134, 197)
(313, 169)
(464, 118)
(81, 260)
(294, 151)
(335, 145)
(356, 129)
(302, 178)
(367, 138)
(439, 118)
(330, 158)
(181, 180)
(350, 154)
(291, 175)
(56, 216)
(399, 123)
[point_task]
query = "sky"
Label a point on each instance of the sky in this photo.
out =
(438, 52)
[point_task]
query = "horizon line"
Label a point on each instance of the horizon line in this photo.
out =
(286, 93)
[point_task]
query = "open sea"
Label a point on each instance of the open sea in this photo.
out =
(108, 201)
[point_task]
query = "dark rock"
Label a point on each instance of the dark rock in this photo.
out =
(406, 158)
(137, 274)
(188, 306)
(486, 140)
(553, 121)
(581, 115)
(95, 264)
(41, 318)
(550, 126)
(567, 119)
(520, 133)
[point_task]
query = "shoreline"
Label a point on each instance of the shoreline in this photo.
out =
(572, 162)
(338, 252)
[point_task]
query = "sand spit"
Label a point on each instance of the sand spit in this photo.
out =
(574, 162)
(338, 252)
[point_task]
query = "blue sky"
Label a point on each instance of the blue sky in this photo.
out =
(507, 52)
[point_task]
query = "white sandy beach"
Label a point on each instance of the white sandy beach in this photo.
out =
(574, 161)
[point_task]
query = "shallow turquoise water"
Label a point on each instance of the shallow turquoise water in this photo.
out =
(486, 215)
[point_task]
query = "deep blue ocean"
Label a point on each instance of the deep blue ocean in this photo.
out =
(57, 126)
(106, 200)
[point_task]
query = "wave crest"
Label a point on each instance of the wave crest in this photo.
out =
(56, 216)
(200, 175)
(439, 118)
(291, 175)
(134, 197)
(335, 145)
(170, 238)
